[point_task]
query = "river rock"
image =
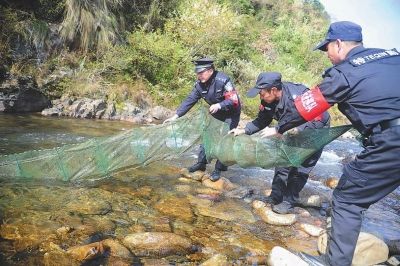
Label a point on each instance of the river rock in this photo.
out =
(183, 188)
(160, 113)
(110, 111)
(155, 262)
(21, 94)
(212, 197)
(198, 175)
(209, 194)
(282, 257)
(257, 260)
(87, 252)
(27, 235)
(239, 193)
(162, 224)
(270, 217)
(228, 210)
(175, 207)
(221, 184)
(117, 249)
(63, 231)
(311, 201)
(158, 244)
(216, 260)
(310, 229)
(59, 258)
(90, 202)
(370, 250)
(302, 212)
(250, 242)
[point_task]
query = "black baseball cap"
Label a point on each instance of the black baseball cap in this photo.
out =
(343, 30)
(265, 80)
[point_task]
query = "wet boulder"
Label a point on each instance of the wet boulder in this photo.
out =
(227, 210)
(198, 175)
(86, 252)
(175, 207)
(116, 249)
(20, 95)
(311, 229)
(216, 260)
(270, 217)
(158, 244)
(222, 184)
(160, 113)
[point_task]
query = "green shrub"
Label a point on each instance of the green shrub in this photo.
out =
(164, 62)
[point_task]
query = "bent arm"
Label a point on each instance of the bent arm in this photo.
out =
(311, 104)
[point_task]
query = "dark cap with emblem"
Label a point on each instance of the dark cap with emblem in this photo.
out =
(341, 30)
(203, 64)
(265, 80)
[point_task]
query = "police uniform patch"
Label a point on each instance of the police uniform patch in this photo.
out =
(228, 86)
(361, 60)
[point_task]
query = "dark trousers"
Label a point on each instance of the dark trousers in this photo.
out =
(289, 181)
(233, 123)
(373, 174)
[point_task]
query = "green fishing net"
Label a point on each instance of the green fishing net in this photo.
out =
(140, 146)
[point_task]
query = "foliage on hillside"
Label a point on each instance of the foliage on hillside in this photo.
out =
(143, 49)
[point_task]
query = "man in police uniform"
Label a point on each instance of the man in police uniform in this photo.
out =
(275, 96)
(365, 85)
(217, 90)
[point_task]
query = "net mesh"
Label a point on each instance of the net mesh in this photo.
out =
(99, 157)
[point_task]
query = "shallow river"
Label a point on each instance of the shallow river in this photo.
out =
(40, 221)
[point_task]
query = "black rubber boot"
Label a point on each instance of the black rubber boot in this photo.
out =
(197, 167)
(215, 175)
(284, 207)
(314, 260)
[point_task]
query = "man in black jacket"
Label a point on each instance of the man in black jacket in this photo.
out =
(364, 83)
(217, 90)
(275, 97)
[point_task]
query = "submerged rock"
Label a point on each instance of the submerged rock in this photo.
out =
(158, 244)
(59, 258)
(87, 252)
(216, 260)
(117, 249)
(256, 260)
(229, 210)
(26, 235)
(175, 207)
(198, 175)
(222, 184)
(270, 217)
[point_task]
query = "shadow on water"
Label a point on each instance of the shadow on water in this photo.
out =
(41, 220)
